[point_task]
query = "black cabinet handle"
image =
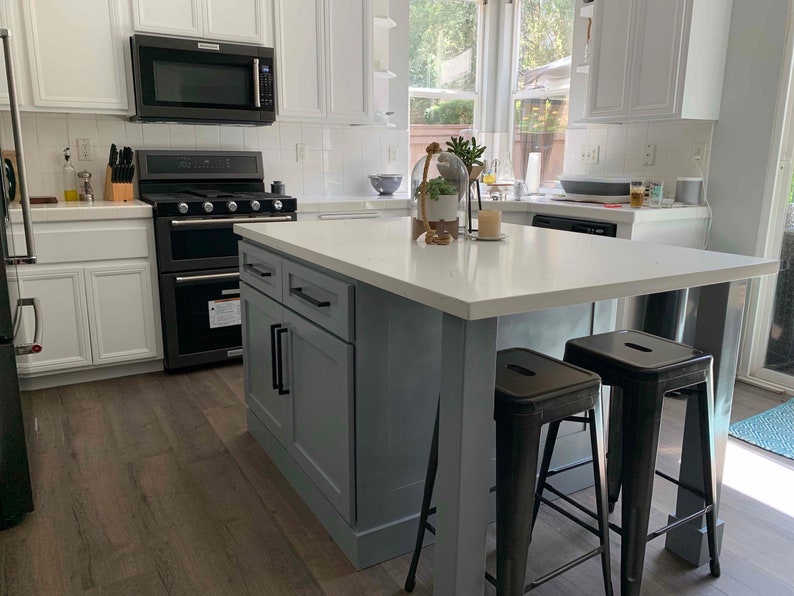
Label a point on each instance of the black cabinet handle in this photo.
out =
(253, 269)
(313, 301)
(279, 332)
(274, 365)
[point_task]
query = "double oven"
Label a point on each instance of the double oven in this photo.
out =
(197, 197)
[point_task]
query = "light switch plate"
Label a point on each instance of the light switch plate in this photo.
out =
(301, 152)
(589, 155)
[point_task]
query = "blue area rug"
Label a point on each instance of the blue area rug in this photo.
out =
(772, 430)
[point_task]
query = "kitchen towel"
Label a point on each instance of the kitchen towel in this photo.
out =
(533, 173)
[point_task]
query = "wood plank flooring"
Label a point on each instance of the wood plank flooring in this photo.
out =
(151, 485)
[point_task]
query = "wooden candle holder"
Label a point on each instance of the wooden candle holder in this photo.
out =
(116, 191)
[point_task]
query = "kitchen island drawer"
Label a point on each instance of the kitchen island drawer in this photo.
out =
(261, 269)
(323, 299)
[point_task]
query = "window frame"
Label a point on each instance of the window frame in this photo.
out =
(449, 94)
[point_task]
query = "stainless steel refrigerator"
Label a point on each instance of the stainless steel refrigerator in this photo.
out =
(18, 250)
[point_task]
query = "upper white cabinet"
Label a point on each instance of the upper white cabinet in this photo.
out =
(657, 59)
(175, 17)
(75, 53)
(243, 21)
(324, 56)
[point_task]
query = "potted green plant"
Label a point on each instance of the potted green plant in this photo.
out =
(442, 200)
(469, 153)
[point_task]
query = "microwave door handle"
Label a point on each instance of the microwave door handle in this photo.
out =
(257, 99)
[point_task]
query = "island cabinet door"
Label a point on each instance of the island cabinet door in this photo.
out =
(261, 318)
(320, 377)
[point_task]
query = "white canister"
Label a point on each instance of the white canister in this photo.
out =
(687, 190)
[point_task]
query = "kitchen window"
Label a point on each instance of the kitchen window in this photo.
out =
(445, 47)
(543, 34)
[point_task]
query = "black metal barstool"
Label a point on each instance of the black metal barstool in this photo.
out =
(531, 390)
(641, 368)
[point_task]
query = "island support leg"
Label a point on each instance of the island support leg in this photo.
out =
(468, 365)
(717, 331)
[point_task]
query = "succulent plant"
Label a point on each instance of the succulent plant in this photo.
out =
(468, 151)
(437, 187)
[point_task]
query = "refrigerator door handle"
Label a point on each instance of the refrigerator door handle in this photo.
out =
(38, 326)
(24, 198)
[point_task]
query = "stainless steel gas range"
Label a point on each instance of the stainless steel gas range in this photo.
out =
(197, 197)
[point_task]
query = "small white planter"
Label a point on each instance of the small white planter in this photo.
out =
(445, 207)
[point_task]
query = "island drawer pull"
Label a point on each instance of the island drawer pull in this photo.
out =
(280, 357)
(273, 362)
(256, 271)
(311, 300)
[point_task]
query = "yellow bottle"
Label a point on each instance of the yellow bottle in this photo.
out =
(490, 174)
(69, 178)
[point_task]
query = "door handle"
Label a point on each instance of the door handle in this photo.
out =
(279, 332)
(310, 299)
(257, 98)
(274, 364)
(38, 326)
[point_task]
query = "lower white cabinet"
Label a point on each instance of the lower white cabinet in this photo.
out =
(120, 312)
(98, 314)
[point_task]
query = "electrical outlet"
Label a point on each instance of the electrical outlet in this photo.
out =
(589, 155)
(84, 152)
(392, 154)
(301, 152)
(649, 155)
(699, 151)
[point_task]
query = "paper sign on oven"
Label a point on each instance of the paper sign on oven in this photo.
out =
(224, 313)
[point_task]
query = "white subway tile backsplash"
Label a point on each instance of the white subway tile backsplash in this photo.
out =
(232, 138)
(616, 140)
(183, 136)
(636, 135)
(659, 135)
(329, 169)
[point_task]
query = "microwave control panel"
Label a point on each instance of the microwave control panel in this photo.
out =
(267, 96)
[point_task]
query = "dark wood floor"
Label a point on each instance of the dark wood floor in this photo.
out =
(151, 485)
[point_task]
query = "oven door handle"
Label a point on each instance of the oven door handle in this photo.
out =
(184, 223)
(209, 277)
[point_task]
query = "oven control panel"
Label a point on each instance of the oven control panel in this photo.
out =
(226, 207)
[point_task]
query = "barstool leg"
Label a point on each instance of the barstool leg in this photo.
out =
(548, 452)
(641, 422)
(599, 472)
(517, 446)
(615, 445)
(430, 481)
(706, 415)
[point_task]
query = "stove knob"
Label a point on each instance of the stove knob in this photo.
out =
(277, 205)
(182, 208)
(255, 205)
(231, 206)
(207, 206)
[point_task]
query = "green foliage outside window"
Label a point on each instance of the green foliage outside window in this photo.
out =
(545, 34)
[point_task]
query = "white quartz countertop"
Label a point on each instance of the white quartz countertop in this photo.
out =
(532, 269)
(596, 211)
(80, 211)
(348, 203)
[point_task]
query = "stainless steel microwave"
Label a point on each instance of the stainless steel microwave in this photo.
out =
(186, 80)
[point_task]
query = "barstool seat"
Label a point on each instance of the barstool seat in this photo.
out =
(641, 368)
(531, 390)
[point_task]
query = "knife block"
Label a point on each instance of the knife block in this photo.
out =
(116, 191)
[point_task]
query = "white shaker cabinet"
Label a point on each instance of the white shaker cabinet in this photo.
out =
(245, 21)
(61, 292)
(324, 55)
(120, 312)
(76, 53)
(657, 59)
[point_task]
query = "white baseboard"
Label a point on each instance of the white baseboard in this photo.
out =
(85, 375)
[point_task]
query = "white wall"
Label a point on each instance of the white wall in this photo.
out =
(339, 160)
(746, 137)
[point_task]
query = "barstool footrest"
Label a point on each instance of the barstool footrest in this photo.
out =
(679, 522)
(568, 514)
(570, 466)
(684, 485)
(560, 570)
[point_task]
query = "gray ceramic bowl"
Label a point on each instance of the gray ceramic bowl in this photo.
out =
(385, 184)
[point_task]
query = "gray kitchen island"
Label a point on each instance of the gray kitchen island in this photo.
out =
(351, 330)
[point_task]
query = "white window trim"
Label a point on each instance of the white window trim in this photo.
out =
(476, 95)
